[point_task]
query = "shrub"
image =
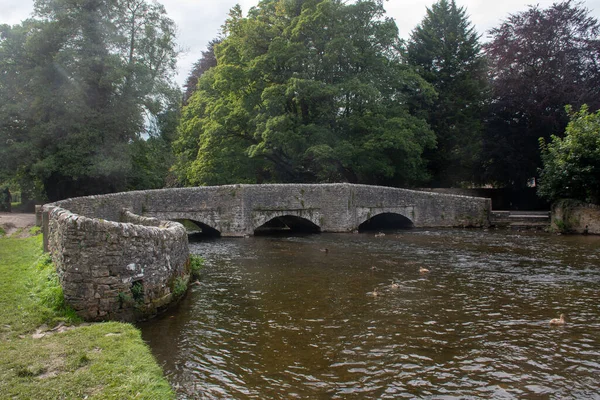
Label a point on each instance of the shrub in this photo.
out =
(196, 266)
(179, 287)
(572, 163)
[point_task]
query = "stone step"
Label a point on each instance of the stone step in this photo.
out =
(529, 226)
(521, 220)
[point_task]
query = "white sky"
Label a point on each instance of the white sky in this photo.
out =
(199, 21)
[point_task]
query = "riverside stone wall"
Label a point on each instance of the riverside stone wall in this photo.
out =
(112, 270)
(576, 217)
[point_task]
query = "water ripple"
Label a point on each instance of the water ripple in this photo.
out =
(276, 318)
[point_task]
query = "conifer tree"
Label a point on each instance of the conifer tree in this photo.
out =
(445, 50)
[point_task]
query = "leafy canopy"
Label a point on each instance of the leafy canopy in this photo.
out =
(444, 48)
(572, 164)
(78, 84)
(540, 61)
(306, 91)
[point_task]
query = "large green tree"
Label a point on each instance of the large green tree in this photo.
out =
(90, 76)
(445, 50)
(305, 91)
(540, 61)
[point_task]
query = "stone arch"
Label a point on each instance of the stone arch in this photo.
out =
(286, 222)
(385, 220)
(203, 229)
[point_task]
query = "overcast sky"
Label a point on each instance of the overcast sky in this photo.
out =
(199, 21)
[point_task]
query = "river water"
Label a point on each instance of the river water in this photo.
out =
(282, 317)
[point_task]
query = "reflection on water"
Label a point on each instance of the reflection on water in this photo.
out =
(280, 317)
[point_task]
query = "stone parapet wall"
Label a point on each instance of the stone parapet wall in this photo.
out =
(575, 217)
(113, 270)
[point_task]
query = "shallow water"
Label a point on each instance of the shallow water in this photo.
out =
(279, 317)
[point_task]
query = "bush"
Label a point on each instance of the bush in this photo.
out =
(572, 164)
(179, 287)
(196, 266)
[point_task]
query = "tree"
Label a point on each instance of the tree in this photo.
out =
(90, 75)
(206, 62)
(571, 165)
(445, 50)
(541, 60)
(306, 91)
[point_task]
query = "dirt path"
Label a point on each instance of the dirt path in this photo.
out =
(13, 222)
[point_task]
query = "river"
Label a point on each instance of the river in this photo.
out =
(283, 316)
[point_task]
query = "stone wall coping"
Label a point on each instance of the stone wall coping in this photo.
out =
(64, 203)
(147, 223)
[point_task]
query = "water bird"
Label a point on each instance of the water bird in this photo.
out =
(394, 285)
(380, 234)
(423, 270)
(324, 250)
(558, 321)
(374, 293)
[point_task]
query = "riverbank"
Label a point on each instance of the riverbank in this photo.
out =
(47, 353)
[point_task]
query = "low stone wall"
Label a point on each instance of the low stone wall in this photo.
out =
(111, 270)
(575, 217)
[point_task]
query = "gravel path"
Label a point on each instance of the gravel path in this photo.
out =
(12, 222)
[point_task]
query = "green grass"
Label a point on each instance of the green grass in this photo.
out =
(97, 361)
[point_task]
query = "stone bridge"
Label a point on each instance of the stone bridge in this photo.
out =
(238, 210)
(119, 256)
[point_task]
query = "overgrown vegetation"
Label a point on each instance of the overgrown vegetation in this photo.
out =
(196, 266)
(572, 163)
(180, 286)
(97, 361)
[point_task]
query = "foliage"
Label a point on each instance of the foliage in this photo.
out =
(206, 62)
(5, 199)
(541, 60)
(445, 50)
(306, 91)
(137, 291)
(571, 165)
(180, 286)
(78, 84)
(153, 157)
(196, 266)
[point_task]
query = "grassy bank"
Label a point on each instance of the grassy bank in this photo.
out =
(45, 351)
